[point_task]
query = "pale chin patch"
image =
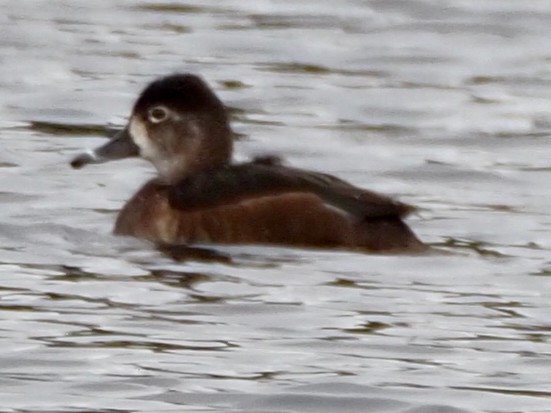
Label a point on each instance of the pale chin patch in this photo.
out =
(148, 150)
(138, 133)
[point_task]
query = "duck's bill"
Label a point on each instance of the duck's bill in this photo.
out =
(119, 147)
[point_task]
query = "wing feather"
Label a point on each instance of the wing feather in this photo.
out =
(239, 182)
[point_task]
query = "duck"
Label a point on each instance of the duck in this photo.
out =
(201, 196)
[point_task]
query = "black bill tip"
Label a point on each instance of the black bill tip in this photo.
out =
(81, 160)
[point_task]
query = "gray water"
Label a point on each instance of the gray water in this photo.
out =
(444, 104)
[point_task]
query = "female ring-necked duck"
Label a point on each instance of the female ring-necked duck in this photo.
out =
(199, 196)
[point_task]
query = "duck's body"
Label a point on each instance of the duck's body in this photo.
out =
(292, 218)
(200, 197)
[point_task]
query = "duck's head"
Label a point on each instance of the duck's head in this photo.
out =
(178, 124)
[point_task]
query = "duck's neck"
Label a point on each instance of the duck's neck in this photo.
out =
(174, 170)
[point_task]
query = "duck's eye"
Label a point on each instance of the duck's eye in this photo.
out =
(158, 114)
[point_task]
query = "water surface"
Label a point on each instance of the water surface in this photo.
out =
(442, 104)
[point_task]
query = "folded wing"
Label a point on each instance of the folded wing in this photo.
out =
(236, 183)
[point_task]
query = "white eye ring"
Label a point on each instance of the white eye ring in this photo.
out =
(158, 114)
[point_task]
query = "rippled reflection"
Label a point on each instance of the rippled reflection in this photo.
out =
(444, 106)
